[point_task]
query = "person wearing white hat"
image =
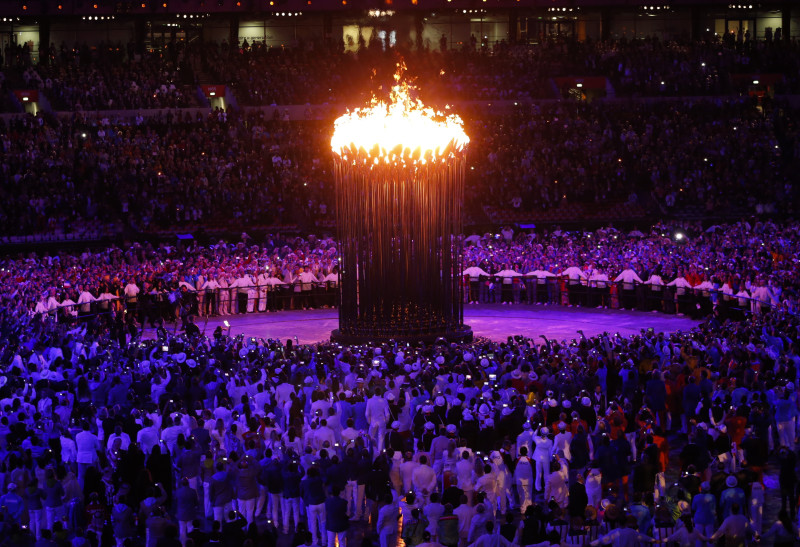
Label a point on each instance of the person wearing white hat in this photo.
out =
(594, 486)
(525, 439)
(377, 414)
(541, 456)
(732, 495)
(504, 479)
(562, 440)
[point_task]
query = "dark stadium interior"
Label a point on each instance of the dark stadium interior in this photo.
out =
(176, 247)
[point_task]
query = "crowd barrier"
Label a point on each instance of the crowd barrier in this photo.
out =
(609, 294)
(523, 290)
(630, 295)
(169, 305)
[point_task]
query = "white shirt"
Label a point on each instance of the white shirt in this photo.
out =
(464, 474)
(561, 442)
(628, 277)
(131, 291)
(147, 437)
(377, 410)
(544, 447)
(406, 473)
(87, 444)
(424, 478)
(598, 280)
(125, 441)
(525, 439)
(85, 299)
(69, 451)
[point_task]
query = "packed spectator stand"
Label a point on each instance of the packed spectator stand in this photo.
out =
(535, 163)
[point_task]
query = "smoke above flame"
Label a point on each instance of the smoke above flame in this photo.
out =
(401, 130)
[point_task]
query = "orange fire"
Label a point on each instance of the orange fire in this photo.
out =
(402, 131)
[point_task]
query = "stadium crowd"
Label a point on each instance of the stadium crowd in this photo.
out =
(115, 434)
(112, 77)
(167, 172)
(108, 438)
(745, 265)
(117, 76)
(178, 170)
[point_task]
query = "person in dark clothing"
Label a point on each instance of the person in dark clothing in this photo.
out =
(336, 474)
(691, 481)
(534, 526)
(717, 480)
(509, 529)
(200, 435)
(787, 476)
(452, 495)
(233, 531)
(644, 475)
(170, 538)
(197, 534)
(394, 440)
(756, 452)
(336, 520)
(579, 451)
(377, 486)
(578, 500)
(606, 457)
(622, 457)
(159, 464)
(291, 478)
(215, 537)
(301, 535)
(312, 491)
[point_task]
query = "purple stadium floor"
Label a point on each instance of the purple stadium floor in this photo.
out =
(493, 321)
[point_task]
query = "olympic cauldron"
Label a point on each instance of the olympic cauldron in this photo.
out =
(399, 171)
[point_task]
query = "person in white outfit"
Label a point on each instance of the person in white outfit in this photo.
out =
(541, 455)
(556, 486)
(424, 480)
(562, 440)
(523, 478)
(87, 444)
(594, 487)
(504, 479)
(377, 413)
(465, 476)
(224, 295)
(525, 439)
(263, 286)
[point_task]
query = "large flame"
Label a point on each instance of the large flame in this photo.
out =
(403, 130)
